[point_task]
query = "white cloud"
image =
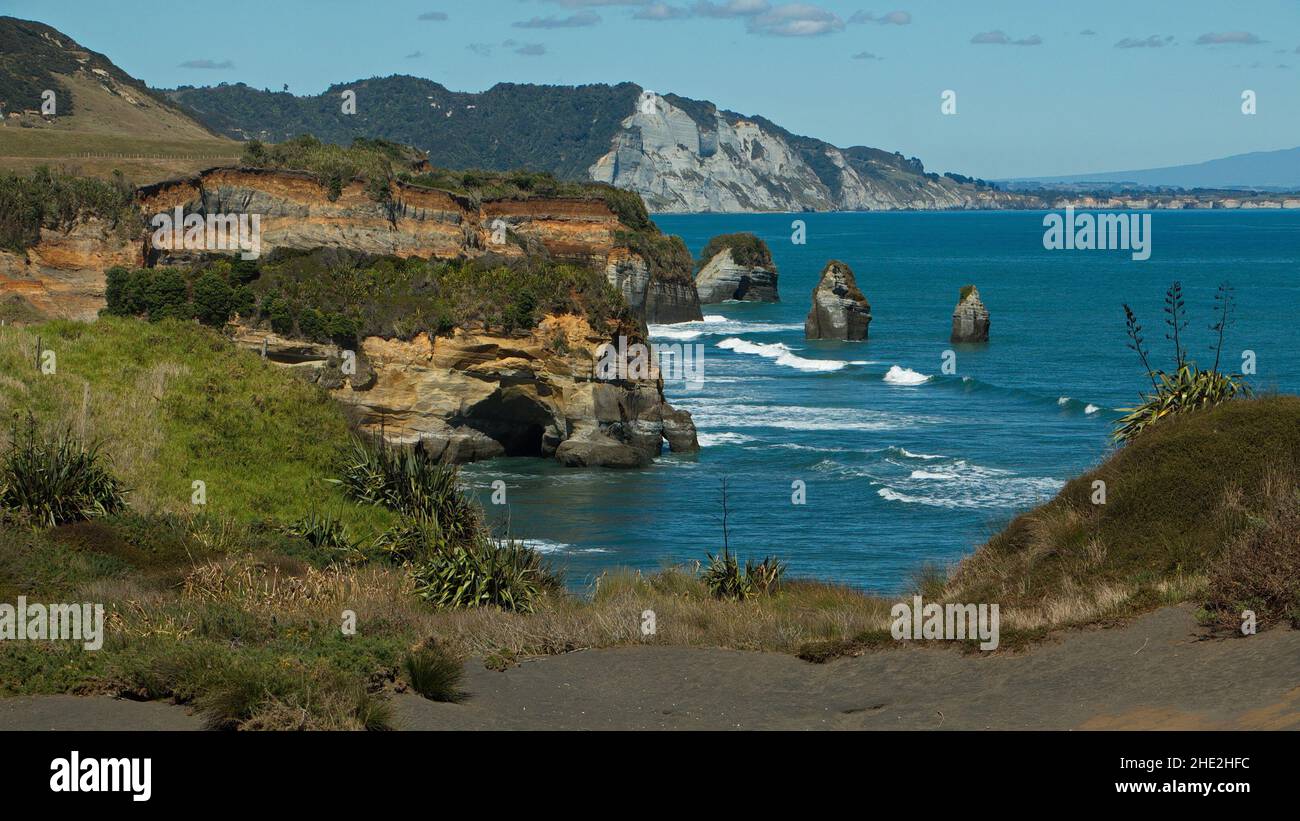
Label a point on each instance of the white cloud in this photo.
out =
(1154, 41)
(208, 64)
(893, 18)
(998, 37)
(796, 20)
(1239, 38)
(731, 8)
(662, 11)
(579, 20)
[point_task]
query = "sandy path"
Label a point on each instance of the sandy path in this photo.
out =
(1151, 673)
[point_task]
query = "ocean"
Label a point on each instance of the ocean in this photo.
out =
(900, 464)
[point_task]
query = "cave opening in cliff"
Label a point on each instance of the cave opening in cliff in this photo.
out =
(514, 417)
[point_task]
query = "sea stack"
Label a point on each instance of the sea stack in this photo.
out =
(970, 319)
(736, 266)
(839, 310)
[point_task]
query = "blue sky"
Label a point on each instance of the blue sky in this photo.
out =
(1044, 87)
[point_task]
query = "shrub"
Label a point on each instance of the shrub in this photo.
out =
(1188, 388)
(435, 674)
(507, 574)
(51, 481)
(166, 295)
(214, 299)
(724, 578)
(1259, 570)
(746, 249)
(323, 532)
(411, 540)
(410, 481)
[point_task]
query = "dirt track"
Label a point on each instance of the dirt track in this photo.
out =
(1153, 673)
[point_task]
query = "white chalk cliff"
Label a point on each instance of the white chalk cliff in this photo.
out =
(685, 156)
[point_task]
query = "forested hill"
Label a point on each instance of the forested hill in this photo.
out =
(560, 129)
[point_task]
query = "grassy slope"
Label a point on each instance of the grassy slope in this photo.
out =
(1175, 497)
(174, 403)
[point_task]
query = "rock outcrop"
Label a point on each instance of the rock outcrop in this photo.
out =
(474, 396)
(723, 278)
(659, 300)
(839, 310)
(970, 319)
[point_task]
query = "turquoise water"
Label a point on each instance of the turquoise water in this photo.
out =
(898, 475)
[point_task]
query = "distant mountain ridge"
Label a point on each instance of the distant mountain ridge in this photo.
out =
(679, 154)
(1262, 170)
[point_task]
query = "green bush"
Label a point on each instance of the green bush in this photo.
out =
(214, 299)
(410, 481)
(507, 574)
(725, 580)
(746, 249)
(52, 481)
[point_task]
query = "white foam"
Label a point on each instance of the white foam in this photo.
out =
(925, 474)
(905, 452)
(904, 376)
(728, 416)
(723, 438)
(1064, 400)
(548, 547)
(715, 324)
(781, 353)
(1091, 409)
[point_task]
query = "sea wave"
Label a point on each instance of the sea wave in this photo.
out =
(904, 376)
(781, 353)
(548, 547)
(722, 438)
(732, 416)
(715, 325)
(945, 482)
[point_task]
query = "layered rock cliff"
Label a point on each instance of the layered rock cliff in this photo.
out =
(63, 274)
(839, 309)
(473, 396)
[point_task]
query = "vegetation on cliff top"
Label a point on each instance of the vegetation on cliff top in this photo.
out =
(56, 200)
(746, 249)
(328, 295)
